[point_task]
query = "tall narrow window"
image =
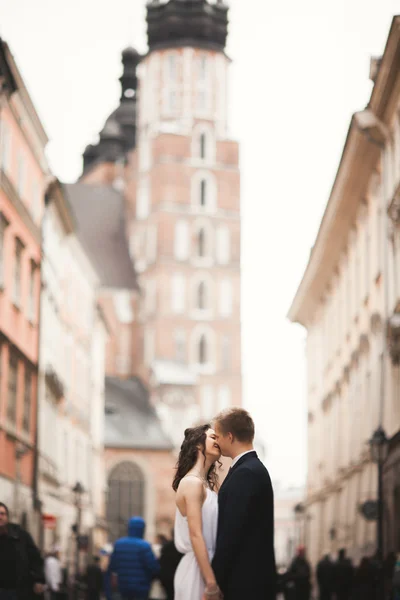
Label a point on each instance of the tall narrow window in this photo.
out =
(203, 146)
(17, 272)
(181, 240)
(180, 345)
(3, 227)
(202, 350)
(178, 294)
(225, 298)
(12, 389)
(201, 243)
(32, 292)
(27, 400)
(202, 296)
(21, 176)
(223, 245)
(203, 192)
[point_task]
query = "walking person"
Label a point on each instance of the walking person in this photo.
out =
(325, 577)
(21, 566)
(133, 565)
(364, 581)
(244, 560)
(300, 575)
(53, 574)
(94, 579)
(344, 574)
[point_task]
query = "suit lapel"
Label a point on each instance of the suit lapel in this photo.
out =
(252, 454)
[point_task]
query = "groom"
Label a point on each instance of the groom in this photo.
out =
(244, 560)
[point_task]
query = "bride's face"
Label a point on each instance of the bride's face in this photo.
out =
(212, 449)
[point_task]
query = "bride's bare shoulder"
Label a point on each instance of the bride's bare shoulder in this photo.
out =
(190, 485)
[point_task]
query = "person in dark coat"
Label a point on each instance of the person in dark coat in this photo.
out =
(94, 580)
(244, 560)
(21, 565)
(325, 578)
(364, 581)
(344, 574)
(300, 575)
(133, 563)
(169, 561)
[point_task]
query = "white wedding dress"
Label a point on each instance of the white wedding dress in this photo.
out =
(189, 583)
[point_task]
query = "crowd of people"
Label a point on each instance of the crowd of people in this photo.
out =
(340, 580)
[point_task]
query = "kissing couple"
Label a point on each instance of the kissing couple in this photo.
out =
(226, 532)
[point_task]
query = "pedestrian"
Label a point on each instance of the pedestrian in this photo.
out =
(300, 574)
(133, 565)
(325, 577)
(364, 581)
(53, 574)
(396, 579)
(94, 580)
(169, 561)
(343, 576)
(388, 571)
(21, 566)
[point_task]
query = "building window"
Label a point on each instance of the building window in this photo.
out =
(5, 136)
(202, 299)
(181, 240)
(201, 243)
(225, 298)
(204, 193)
(203, 146)
(17, 272)
(180, 345)
(143, 201)
(224, 397)
(3, 227)
(126, 497)
(223, 245)
(32, 293)
(178, 294)
(202, 350)
(226, 353)
(12, 388)
(21, 176)
(26, 423)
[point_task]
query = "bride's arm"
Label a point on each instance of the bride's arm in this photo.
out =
(194, 496)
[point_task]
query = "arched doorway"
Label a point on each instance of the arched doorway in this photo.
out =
(125, 497)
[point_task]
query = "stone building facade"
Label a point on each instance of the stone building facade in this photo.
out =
(349, 301)
(23, 177)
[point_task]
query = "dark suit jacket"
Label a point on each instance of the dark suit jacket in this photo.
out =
(244, 561)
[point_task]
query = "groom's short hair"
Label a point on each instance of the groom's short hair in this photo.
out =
(238, 422)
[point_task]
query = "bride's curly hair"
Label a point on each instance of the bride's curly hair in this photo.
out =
(195, 438)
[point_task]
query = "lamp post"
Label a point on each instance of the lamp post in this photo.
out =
(379, 445)
(78, 490)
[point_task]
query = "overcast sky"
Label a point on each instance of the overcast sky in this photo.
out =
(300, 69)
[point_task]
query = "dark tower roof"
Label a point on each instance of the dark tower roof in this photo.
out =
(198, 23)
(118, 135)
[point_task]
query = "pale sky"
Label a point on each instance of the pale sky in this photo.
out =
(300, 69)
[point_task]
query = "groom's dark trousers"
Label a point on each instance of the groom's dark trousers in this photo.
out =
(244, 561)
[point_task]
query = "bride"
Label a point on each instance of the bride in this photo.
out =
(196, 484)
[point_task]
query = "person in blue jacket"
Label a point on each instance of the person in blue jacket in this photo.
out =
(133, 563)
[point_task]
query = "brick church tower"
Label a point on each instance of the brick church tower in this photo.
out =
(169, 142)
(186, 207)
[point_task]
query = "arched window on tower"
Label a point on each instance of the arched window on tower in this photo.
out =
(202, 350)
(203, 146)
(203, 193)
(202, 296)
(201, 243)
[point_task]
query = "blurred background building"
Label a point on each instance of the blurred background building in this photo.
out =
(349, 302)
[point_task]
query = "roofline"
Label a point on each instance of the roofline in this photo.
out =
(21, 88)
(348, 187)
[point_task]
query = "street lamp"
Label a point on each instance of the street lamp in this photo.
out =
(379, 445)
(78, 490)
